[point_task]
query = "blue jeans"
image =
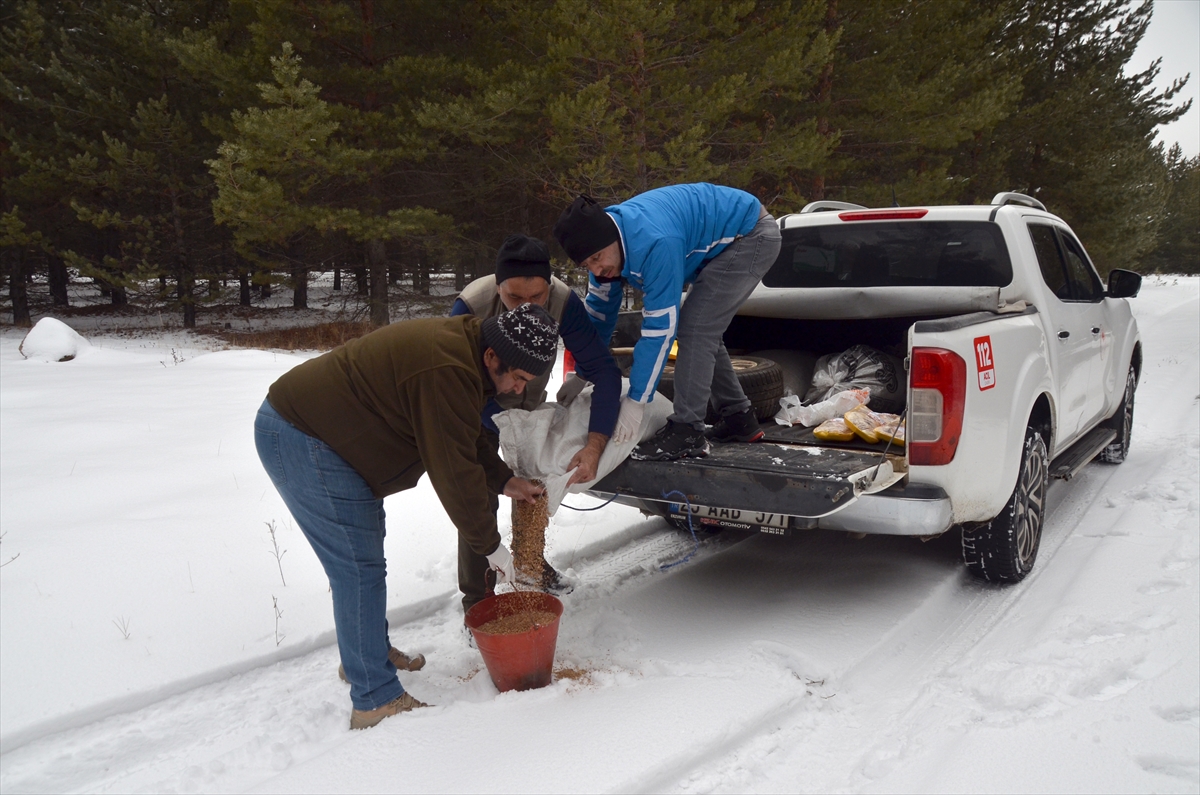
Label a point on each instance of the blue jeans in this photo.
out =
(703, 370)
(344, 522)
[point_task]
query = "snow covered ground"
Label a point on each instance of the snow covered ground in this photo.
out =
(149, 643)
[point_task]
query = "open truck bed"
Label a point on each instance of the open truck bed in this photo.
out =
(764, 484)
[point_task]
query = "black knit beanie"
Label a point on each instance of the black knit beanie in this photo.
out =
(525, 338)
(584, 228)
(521, 255)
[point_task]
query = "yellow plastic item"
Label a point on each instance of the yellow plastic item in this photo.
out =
(892, 431)
(674, 350)
(834, 430)
(867, 424)
(863, 422)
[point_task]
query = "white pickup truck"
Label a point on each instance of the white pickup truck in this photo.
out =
(1020, 366)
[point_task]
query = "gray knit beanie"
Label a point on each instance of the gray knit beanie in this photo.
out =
(525, 338)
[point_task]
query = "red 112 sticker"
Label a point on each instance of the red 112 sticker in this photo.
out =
(984, 364)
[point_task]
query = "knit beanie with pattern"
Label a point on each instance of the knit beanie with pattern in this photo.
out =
(525, 338)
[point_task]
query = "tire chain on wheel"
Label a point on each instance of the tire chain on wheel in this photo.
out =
(992, 551)
(1115, 453)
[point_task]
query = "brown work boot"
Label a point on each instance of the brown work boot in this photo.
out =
(366, 718)
(399, 659)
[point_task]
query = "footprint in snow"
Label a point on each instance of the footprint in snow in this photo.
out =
(1174, 766)
(1180, 713)
(1160, 587)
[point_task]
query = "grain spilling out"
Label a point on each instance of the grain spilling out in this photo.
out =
(529, 537)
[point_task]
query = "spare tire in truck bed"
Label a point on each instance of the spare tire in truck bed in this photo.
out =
(761, 380)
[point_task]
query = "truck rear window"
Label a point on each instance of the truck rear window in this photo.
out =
(900, 254)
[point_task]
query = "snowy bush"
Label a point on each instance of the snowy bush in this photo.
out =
(52, 341)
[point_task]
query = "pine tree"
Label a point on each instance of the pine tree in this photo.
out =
(149, 195)
(1177, 249)
(108, 127)
(616, 97)
(1082, 136)
(284, 175)
(17, 243)
(680, 92)
(371, 63)
(38, 131)
(908, 84)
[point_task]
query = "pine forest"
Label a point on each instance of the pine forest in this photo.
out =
(183, 153)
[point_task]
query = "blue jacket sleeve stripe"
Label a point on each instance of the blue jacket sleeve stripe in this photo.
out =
(722, 242)
(661, 289)
(643, 382)
(603, 304)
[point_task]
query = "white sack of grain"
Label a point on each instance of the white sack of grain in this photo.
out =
(540, 443)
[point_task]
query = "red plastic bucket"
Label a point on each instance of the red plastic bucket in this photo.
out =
(521, 660)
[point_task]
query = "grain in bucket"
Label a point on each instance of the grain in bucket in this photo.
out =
(516, 633)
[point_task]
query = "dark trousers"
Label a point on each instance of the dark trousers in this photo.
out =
(703, 370)
(474, 579)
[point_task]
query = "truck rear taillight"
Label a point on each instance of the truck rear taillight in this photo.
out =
(935, 408)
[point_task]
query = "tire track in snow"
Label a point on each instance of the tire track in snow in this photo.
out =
(233, 734)
(895, 683)
(673, 770)
(956, 615)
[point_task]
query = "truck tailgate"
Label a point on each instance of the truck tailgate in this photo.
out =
(784, 479)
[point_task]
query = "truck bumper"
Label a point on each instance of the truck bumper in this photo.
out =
(898, 511)
(901, 510)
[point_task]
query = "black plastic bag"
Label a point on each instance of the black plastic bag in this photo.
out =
(861, 367)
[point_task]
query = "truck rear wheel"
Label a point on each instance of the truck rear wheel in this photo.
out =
(1004, 549)
(1122, 422)
(761, 380)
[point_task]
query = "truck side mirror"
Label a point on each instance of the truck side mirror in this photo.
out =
(1123, 283)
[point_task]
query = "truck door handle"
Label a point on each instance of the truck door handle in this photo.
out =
(1095, 329)
(1062, 335)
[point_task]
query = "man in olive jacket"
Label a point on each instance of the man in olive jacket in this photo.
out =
(340, 432)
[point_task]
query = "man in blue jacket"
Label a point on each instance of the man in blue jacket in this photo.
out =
(719, 240)
(523, 276)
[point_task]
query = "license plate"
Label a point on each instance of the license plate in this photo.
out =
(732, 516)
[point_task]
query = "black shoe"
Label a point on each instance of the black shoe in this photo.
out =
(741, 427)
(672, 442)
(553, 582)
(550, 581)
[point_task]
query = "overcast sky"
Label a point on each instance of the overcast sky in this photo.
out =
(1174, 36)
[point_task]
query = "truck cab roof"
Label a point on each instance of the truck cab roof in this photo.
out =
(845, 261)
